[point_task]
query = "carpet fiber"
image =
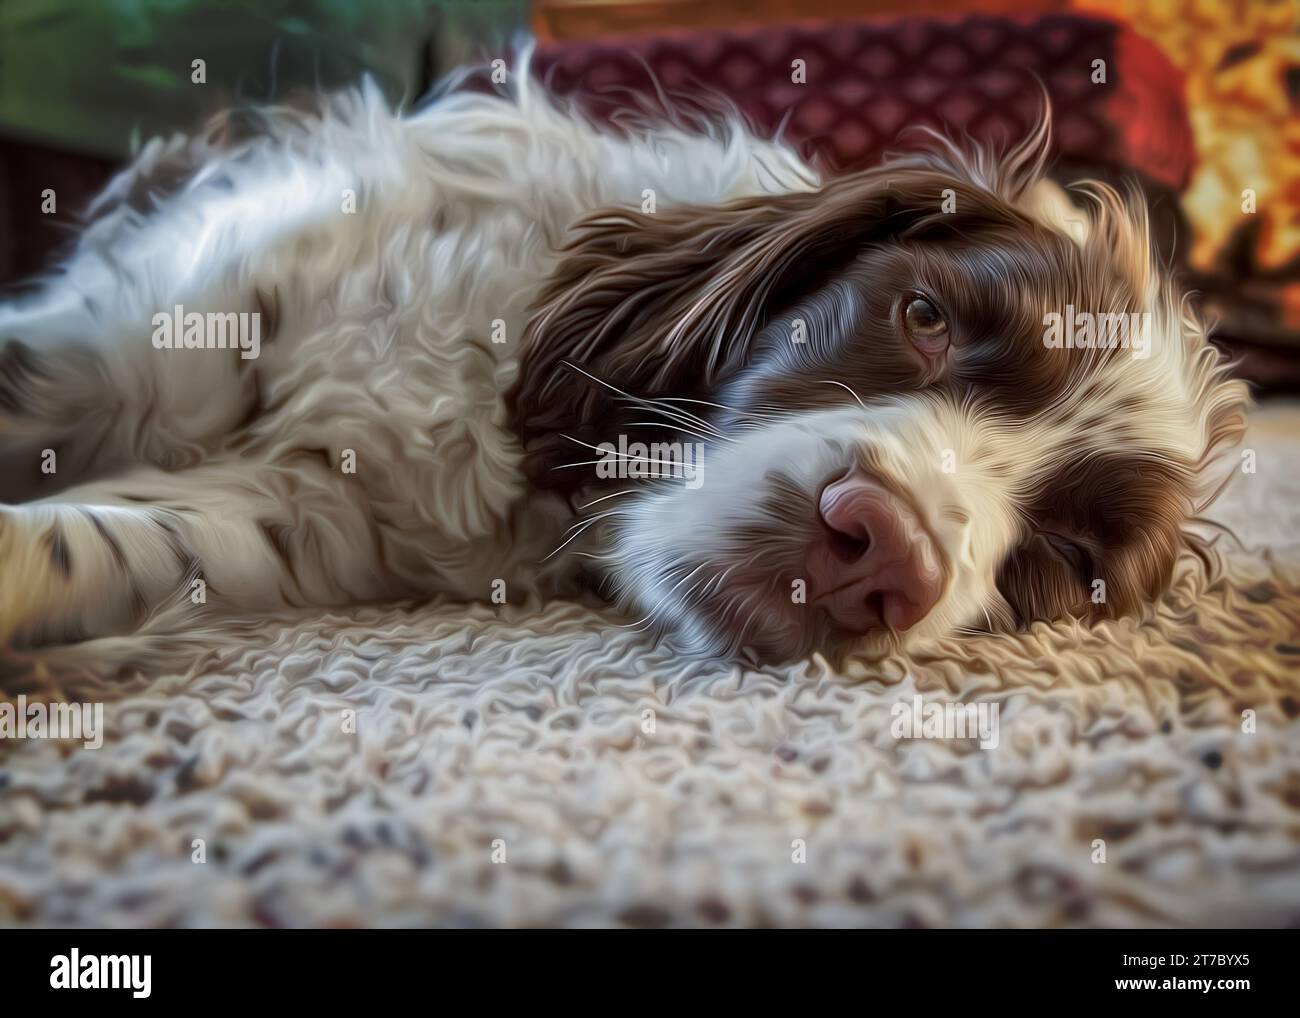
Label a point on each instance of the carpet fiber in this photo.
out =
(524, 766)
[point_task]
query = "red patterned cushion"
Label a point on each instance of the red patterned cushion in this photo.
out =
(867, 80)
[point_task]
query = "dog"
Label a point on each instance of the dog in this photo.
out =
(490, 350)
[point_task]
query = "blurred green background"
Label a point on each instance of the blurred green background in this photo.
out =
(93, 75)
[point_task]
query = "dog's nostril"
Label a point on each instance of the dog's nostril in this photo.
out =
(847, 547)
(848, 534)
(875, 604)
(876, 567)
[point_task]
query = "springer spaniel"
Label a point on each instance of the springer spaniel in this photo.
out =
(477, 327)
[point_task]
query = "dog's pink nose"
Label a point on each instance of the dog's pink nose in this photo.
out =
(878, 566)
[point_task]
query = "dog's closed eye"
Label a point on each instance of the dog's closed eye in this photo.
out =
(1049, 577)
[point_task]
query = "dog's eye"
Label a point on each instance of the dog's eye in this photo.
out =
(924, 323)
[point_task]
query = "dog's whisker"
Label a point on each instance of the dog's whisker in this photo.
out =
(682, 430)
(585, 525)
(640, 400)
(593, 519)
(627, 459)
(662, 406)
(671, 412)
(685, 422)
(662, 600)
(757, 412)
(612, 494)
(612, 453)
(831, 381)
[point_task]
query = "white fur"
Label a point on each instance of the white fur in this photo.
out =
(208, 468)
(382, 348)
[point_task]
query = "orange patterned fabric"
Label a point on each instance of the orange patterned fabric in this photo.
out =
(1241, 59)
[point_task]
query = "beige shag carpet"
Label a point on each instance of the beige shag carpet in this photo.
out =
(500, 772)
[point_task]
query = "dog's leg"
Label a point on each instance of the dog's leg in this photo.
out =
(90, 381)
(218, 539)
(56, 414)
(74, 409)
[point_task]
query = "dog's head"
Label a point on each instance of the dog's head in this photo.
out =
(916, 400)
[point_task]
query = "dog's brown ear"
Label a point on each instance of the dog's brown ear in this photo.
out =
(649, 304)
(653, 304)
(667, 304)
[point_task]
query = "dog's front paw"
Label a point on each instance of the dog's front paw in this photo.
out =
(35, 567)
(53, 587)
